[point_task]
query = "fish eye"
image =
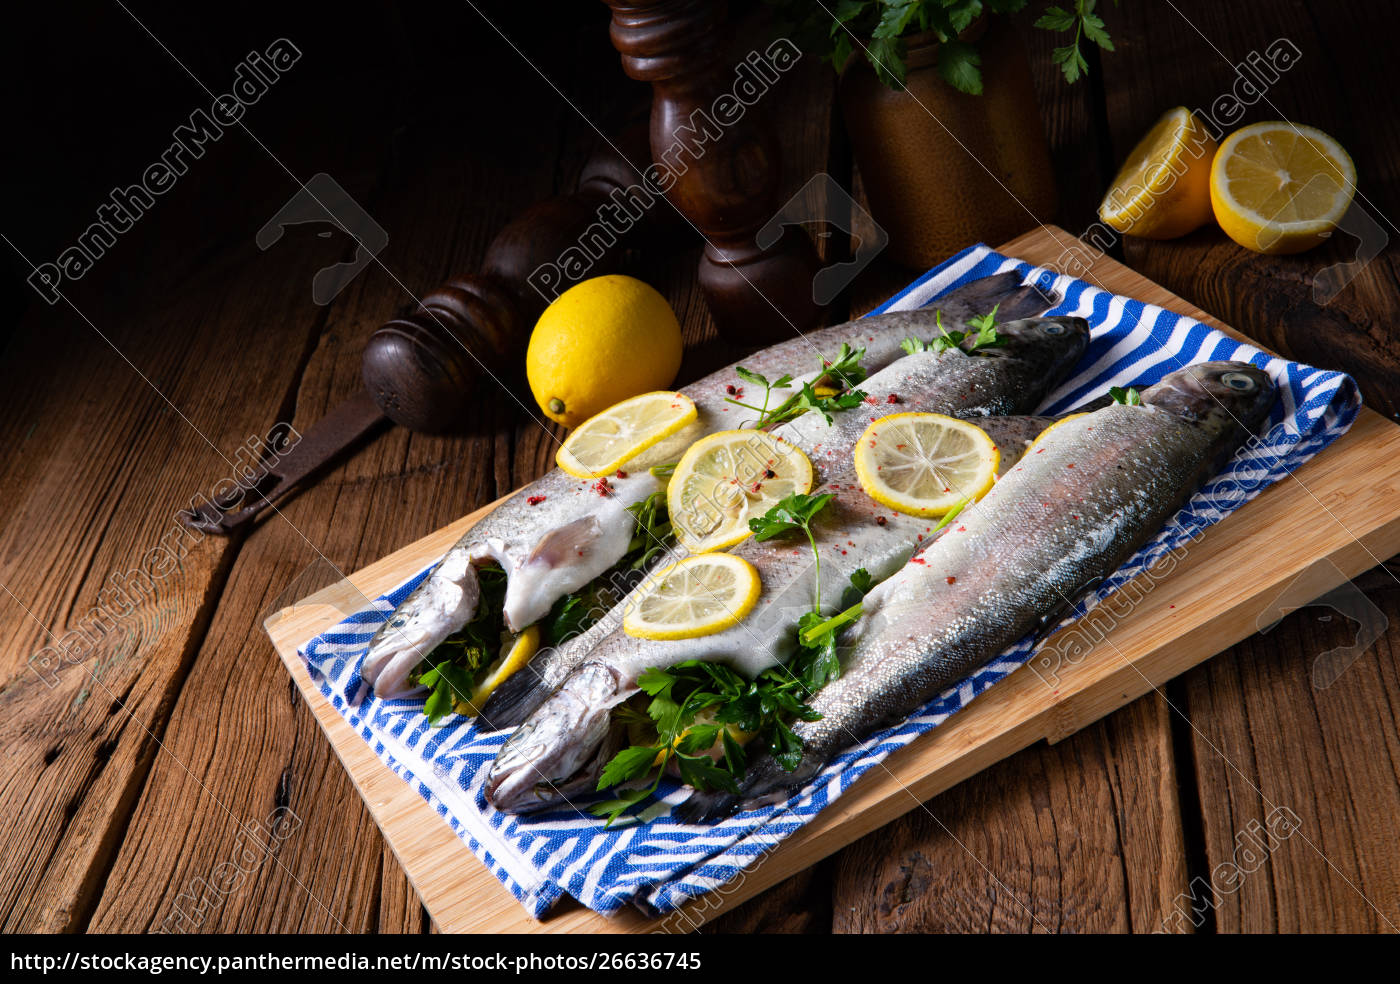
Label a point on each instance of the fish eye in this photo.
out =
(1239, 381)
(1054, 328)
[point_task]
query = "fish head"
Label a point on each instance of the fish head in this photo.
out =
(1220, 396)
(1042, 350)
(561, 747)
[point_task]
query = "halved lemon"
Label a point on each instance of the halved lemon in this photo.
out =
(924, 464)
(1163, 189)
(605, 442)
(513, 658)
(697, 596)
(1280, 187)
(728, 478)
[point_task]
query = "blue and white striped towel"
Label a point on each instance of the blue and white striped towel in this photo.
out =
(659, 864)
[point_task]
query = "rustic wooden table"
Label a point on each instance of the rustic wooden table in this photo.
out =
(136, 772)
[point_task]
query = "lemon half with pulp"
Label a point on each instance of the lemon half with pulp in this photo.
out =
(1281, 187)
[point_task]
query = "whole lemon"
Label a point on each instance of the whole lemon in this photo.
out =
(601, 341)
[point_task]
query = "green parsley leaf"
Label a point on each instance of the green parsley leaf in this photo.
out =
(958, 64)
(792, 513)
(628, 764)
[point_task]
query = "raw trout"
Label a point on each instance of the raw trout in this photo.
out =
(557, 535)
(1095, 489)
(564, 742)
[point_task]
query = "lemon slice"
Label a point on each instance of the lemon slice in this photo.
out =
(1034, 446)
(603, 443)
(1163, 189)
(924, 464)
(697, 596)
(726, 479)
(1280, 187)
(513, 658)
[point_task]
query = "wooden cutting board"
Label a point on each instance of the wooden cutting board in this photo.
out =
(1338, 516)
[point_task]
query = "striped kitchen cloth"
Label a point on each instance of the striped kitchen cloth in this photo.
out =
(659, 864)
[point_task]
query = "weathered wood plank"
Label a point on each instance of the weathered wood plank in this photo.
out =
(1270, 745)
(1083, 836)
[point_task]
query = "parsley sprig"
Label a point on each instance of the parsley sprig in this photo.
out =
(1128, 397)
(792, 513)
(984, 337)
(1085, 24)
(832, 391)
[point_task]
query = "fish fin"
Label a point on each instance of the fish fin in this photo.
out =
(566, 543)
(516, 698)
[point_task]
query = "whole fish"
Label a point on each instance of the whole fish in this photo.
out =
(559, 534)
(566, 740)
(1096, 488)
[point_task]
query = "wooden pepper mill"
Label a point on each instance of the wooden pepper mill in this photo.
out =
(726, 187)
(419, 368)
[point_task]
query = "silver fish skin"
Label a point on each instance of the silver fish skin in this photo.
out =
(574, 533)
(561, 736)
(518, 697)
(1011, 379)
(1097, 487)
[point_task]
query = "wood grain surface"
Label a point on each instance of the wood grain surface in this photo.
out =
(129, 780)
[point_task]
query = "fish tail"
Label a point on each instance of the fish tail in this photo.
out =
(1003, 291)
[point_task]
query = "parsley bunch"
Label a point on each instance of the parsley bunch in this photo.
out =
(985, 337)
(693, 706)
(832, 391)
(878, 29)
